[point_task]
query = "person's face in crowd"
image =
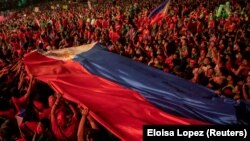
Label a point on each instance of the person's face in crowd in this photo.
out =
(158, 52)
(221, 46)
(218, 80)
(203, 53)
(206, 61)
(211, 44)
(138, 52)
(236, 47)
(51, 100)
(183, 42)
(210, 72)
(61, 119)
(229, 78)
(228, 48)
(156, 61)
(246, 17)
(193, 50)
(48, 48)
(191, 63)
(175, 56)
(238, 56)
(203, 45)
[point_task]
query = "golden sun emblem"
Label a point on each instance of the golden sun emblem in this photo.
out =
(66, 54)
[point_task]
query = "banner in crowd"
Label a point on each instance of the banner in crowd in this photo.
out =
(223, 10)
(168, 92)
(159, 12)
(121, 110)
(131, 93)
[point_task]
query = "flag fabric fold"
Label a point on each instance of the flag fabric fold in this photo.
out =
(121, 110)
(123, 95)
(166, 91)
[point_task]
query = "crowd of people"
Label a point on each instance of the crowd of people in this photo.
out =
(190, 41)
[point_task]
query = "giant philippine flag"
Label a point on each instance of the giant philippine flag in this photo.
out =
(124, 95)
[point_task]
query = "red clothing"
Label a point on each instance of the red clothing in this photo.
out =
(118, 27)
(211, 24)
(87, 34)
(199, 27)
(145, 34)
(168, 60)
(32, 125)
(227, 25)
(22, 36)
(65, 23)
(36, 36)
(2, 35)
(232, 27)
(98, 23)
(104, 23)
(245, 71)
(8, 114)
(171, 25)
(16, 46)
(68, 133)
(157, 18)
(38, 105)
(45, 113)
(114, 36)
(80, 23)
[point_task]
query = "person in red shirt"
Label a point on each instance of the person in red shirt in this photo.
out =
(45, 112)
(62, 129)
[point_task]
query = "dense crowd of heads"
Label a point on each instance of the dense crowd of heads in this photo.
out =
(190, 41)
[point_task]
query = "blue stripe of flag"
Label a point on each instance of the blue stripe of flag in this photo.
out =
(166, 91)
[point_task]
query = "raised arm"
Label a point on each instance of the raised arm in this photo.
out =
(92, 122)
(53, 109)
(31, 84)
(80, 132)
(73, 109)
